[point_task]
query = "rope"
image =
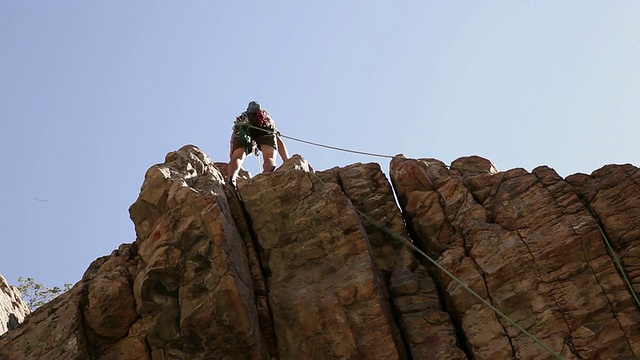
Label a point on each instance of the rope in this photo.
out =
(411, 245)
(357, 151)
(485, 302)
(337, 148)
(616, 260)
(435, 263)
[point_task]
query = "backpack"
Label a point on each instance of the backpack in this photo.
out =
(260, 119)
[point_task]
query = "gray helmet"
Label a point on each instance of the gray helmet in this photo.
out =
(254, 107)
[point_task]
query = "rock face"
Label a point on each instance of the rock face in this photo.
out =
(528, 243)
(299, 264)
(13, 309)
(325, 294)
(427, 330)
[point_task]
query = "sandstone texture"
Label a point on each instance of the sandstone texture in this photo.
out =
(611, 194)
(427, 330)
(299, 264)
(527, 243)
(13, 308)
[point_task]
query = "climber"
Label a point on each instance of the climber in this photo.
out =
(246, 137)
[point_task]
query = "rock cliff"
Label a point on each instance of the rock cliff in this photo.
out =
(304, 264)
(12, 308)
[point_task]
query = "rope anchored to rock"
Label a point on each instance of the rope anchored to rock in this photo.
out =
(355, 151)
(410, 244)
(413, 247)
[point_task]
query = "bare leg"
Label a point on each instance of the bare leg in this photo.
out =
(237, 158)
(269, 154)
(282, 149)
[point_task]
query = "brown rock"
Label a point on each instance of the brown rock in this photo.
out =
(54, 331)
(194, 288)
(243, 174)
(295, 265)
(366, 186)
(132, 348)
(421, 203)
(324, 291)
(183, 290)
(612, 194)
(111, 309)
(473, 165)
(258, 278)
(427, 330)
(527, 244)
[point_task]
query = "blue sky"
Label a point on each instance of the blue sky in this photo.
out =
(94, 93)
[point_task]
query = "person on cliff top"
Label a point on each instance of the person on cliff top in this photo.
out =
(254, 128)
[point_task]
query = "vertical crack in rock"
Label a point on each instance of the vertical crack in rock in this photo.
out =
(316, 252)
(614, 211)
(261, 291)
(318, 278)
(584, 250)
(497, 255)
(604, 290)
(414, 189)
(584, 225)
(384, 246)
(194, 290)
(459, 212)
(539, 273)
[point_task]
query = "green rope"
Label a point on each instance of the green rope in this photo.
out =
(607, 241)
(616, 260)
(415, 248)
(435, 263)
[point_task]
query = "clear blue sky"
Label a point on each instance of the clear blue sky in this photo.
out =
(92, 93)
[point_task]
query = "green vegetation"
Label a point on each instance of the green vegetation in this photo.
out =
(35, 294)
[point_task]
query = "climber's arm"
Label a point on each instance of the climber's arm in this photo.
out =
(282, 148)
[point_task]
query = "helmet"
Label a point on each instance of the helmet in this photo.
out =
(254, 107)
